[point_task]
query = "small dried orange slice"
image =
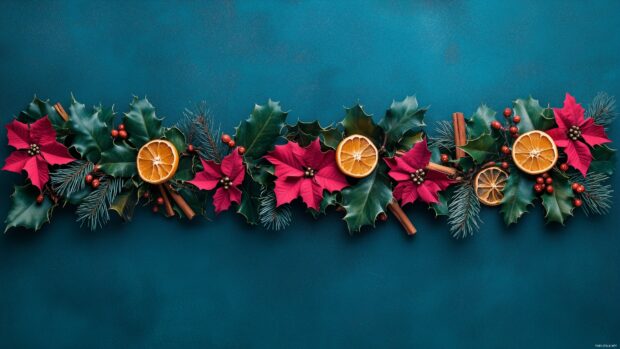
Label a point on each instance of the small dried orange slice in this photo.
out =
(534, 152)
(157, 161)
(489, 184)
(357, 156)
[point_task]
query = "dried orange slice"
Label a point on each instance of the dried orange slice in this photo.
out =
(489, 184)
(157, 161)
(357, 156)
(534, 152)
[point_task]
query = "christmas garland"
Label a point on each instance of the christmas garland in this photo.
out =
(100, 163)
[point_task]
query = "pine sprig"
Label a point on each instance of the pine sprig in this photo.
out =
(444, 136)
(201, 130)
(464, 211)
(603, 109)
(94, 208)
(272, 217)
(597, 199)
(70, 179)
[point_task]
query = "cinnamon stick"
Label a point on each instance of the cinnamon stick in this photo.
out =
(398, 212)
(449, 171)
(167, 204)
(61, 111)
(460, 136)
(180, 201)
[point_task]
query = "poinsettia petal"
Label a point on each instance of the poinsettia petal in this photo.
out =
(16, 161)
(578, 156)
(221, 199)
(286, 190)
(208, 178)
(56, 153)
(405, 192)
(18, 134)
(37, 170)
(428, 192)
(234, 193)
(559, 137)
(232, 166)
(593, 134)
(42, 132)
(329, 177)
(313, 156)
(438, 178)
(417, 157)
(571, 114)
(285, 159)
(311, 193)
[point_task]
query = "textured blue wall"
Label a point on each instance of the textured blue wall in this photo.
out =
(161, 283)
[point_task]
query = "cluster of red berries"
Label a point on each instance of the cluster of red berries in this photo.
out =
(120, 132)
(158, 202)
(513, 129)
(226, 139)
(578, 189)
(544, 184)
(91, 178)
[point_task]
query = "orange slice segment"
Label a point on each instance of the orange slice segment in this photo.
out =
(534, 152)
(489, 184)
(357, 156)
(157, 161)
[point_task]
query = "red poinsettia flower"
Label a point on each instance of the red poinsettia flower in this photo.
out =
(305, 172)
(227, 176)
(574, 133)
(414, 180)
(36, 149)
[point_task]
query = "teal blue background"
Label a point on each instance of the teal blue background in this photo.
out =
(161, 283)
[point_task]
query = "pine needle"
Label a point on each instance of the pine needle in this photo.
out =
(94, 208)
(597, 199)
(272, 217)
(200, 130)
(444, 136)
(464, 212)
(603, 109)
(70, 179)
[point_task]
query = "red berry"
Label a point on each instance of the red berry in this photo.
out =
(540, 180)
(114, 133)
(581, 189)
(146, 195)
(155, 209)
(505, 165)
(577, 202)
(40, 199)
(241, 150)
(190, 148)
(505, 149)
(496, 125)
(88, 178)
(564, 167)
(160, 201)
(515, 135)
(225, 138)
(516, 119)
(538, 188)
(121, 127)
(96, 168)
(549, 180)
(122, 134)
(545, 175)
(445, 158)
(95, 183)
(231, 143)
(507, 112)
(550, 189)
(513, 129)
(382, 217)
(575, 186)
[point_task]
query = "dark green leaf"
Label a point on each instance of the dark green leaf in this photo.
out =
(125, 203)
(260, 131)
(119, 161)
(185, 171)
(518, 195)
(249, 208)
(141, 122)
(480, 122)
(356, 121)
(410, 139)
(177, 138)
(604, 159)
(533, 116)
(24, 210)
(481, 148)
(402, 117)
(91, 130)
(329, 199)
(558, 204)
(441, 207)
(306, 132)
(39, 108)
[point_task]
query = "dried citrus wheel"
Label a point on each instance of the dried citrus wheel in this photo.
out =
(489, 184)
(157, 161)
(356, 156)
(534, 152)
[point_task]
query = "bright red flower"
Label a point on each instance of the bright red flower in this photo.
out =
(36, 149)
(414, 180)
(574, 133)
(226, 176)
(305, 172)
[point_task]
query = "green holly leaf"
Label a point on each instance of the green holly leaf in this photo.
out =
(119, 161)
(306, 132)
(518, 195)
(260, 131)
(185, 171)
(480, 122)
(604, 160)
(39, 108)
(533, 116)
(559, 204)
(441, 207)
(91, 130)
(25, 211)
(409, 139)
(481, 148)
(402, 117)
(141, 123)
(329, 199)
(125, 203)
(365, 200)
(249, 208)
(177, 138)
(356, 121)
